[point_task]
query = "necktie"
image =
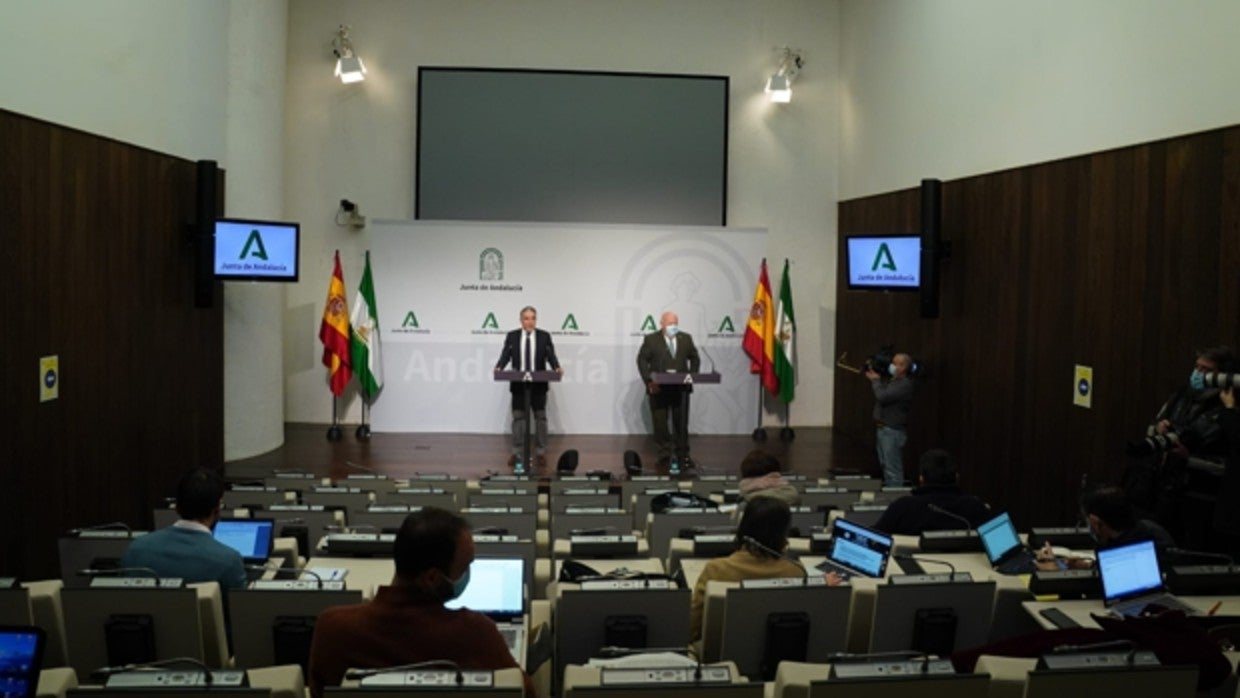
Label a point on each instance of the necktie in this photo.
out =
(671, 346)
(529, 357)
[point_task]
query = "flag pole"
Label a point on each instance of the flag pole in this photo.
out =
(333, 432)
(787, 434)
(363, 429)
(759, 434)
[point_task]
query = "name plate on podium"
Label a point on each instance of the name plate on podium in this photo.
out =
(677, 378)
(527, 376)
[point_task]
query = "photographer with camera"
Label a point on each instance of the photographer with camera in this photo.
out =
(893, 398)
(1187, 424)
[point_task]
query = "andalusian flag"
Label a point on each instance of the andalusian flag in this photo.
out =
(334, 332)
(364, 336)
(759, 342)
(785, 336)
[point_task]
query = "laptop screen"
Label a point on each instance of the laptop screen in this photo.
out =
(21, 658)
(250, 537)
(998, 537)
(860, 548)
(496, 587)
(1129, 570)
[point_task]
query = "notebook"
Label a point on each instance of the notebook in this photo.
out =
(497, 589)
(1006, 553)
(21, 658)
(1132, 580)
(856, 549)
(252, 538)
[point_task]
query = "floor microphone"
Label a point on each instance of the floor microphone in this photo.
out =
(753, 542)
(951, 514)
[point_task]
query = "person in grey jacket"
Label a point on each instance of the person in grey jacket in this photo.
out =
(893, 398)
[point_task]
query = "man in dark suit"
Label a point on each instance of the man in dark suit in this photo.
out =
(529, 349)
(669, 349)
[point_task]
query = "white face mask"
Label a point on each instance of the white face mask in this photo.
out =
(671, 330)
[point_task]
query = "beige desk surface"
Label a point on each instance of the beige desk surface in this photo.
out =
(365, 573)
(1080, 610)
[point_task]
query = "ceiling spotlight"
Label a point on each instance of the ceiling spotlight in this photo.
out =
(779, 85)
(349, 68)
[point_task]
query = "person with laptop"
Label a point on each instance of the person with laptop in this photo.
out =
(187, 549)
(1113, 521)
(761, 537)
(408, 621)
(937, 503)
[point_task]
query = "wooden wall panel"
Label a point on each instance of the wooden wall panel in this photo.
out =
(1126, 261)
(97, 270)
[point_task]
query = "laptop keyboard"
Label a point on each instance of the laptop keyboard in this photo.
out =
(1021, 564)
(1136, 606)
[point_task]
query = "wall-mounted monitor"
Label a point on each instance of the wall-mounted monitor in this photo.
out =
(256, 250)
(884, 262)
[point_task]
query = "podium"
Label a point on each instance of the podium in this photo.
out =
(678, 379)
(526, 379)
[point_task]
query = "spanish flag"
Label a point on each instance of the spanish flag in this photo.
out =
(759, 342)
(334, 332)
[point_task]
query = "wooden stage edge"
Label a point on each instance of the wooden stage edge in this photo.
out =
(814, 452)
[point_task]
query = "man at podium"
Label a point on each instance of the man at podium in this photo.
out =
(669, 350)
(528, 349)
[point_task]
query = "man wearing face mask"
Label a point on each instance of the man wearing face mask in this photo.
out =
(1187, 424)
(407, 622)
(669, 349)
(893, 398)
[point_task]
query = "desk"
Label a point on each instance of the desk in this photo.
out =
(365, 573)
(1080, 610)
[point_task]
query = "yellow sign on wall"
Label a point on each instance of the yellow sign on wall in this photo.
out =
(1083, 386)
(49, 378)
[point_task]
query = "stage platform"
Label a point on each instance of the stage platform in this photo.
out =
(814, 452)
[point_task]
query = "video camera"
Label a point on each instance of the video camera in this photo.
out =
(879, 360)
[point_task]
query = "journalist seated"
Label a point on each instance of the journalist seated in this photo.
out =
(407, 622)
(760, 477)
(1113, 521)
(936, 504)
(761, 537)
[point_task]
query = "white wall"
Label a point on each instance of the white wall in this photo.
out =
(197, 79)
(147, 72)
(950, 88)
(358, 141)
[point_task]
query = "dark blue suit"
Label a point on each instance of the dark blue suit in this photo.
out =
(543, 351)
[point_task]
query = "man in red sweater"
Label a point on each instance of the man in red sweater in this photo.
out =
(406, 622)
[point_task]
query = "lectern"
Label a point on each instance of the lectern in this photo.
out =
(677, 378)
(526, 379)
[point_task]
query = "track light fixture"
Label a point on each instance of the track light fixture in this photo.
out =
(779, 85)
(349, 68)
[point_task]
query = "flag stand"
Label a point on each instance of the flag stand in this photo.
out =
(787, 434)
(363, 429)
(759, 434)
(333, 432)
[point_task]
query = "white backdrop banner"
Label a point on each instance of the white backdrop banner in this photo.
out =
(448, 292)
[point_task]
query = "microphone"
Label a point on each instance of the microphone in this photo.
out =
(306, 570)
(357, 674)
(491, 531)
(1201, 554)
(753, 542)
(708, 358)
(596, 531)
(363, 468)
(919, 560)
(111, 526)
(951, 514)
(116, 571)
(1099, 647)
(104, 672)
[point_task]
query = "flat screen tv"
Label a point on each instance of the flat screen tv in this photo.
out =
(884, 262)
(256, 250)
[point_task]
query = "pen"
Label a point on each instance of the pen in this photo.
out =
(1214, 608)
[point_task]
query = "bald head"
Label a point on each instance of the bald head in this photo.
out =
(902, 363)
(668, 318)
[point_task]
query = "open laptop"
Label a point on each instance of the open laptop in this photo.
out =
(21, 659)
(857, 550)
(1132, 580)
(497, 590)
(253, 538)
(1003, 548)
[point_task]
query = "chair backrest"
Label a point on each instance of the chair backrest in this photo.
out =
(1134, 682)
(164, 621)
(661, 528)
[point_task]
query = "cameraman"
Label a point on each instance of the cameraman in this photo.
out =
(893, 398)
(1187, 424)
